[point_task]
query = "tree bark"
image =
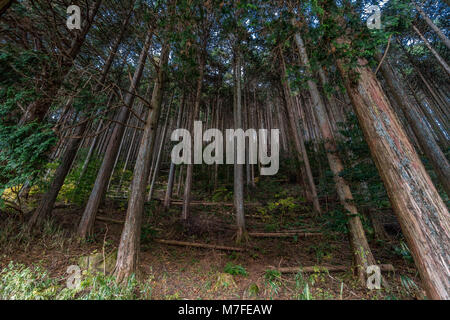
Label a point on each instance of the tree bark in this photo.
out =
(129, 247)
(46, 204)
(160, 150)
(195, 113)
(298, 141)
(4, 5)
(172, 170)
(441, 61)
(37, 110)
(423, 216)
(238, 168)
(432, 25)
(362, 255)
(423, 134)
(87, 221)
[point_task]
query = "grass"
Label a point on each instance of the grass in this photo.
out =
(13, 234)
(235, 270)
(18, 282)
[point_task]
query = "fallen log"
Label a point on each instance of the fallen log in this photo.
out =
(198, 245)
(312, 229)
(106, 219)
(284, 234)
(251, 230)
(204, 203)
(311, 269)
(62, 205)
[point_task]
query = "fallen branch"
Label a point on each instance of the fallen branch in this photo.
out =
(284, 234)
(204, 203)
(311, 269)
(106, 219)
(62, 206)
(198, 245)
(293, 231)
(385, 54)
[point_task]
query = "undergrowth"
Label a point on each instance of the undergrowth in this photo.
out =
(18, 282)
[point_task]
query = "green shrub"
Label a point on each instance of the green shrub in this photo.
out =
(18, 282)
(234, 270)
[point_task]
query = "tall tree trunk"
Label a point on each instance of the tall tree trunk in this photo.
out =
(136, 135)
(180, 179)
(90, 153)
(87, 220)
(424, 105)
(423, 134)
(4, 5)
(238, 168)
(194, 115)
(362, 254)
(298, 140)
(432, 25)
(422, 214)
(441, 61)
(129, 247)
(48, 201)
(38, 109)
(171, 179)
(160, 151)
(334, 113)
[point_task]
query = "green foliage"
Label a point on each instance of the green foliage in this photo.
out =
(281, 207)
(360, 171)
(273, 281)
(23, 148)
(148, 232)
(253, 290)
(18, 282)
(335, 220)
(302, 287)
(272, 275)
(234, 270)
(23, 152)
(398, 15)
(408, 284)
(402, 250)
(100, 287)
(322, 251)
(284, 206)
(16, 65)
(222, 194)
(276, 213)
(78, 186)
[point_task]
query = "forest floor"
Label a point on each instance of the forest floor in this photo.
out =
(185, 272)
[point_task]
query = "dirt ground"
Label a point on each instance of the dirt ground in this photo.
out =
(184, 272)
